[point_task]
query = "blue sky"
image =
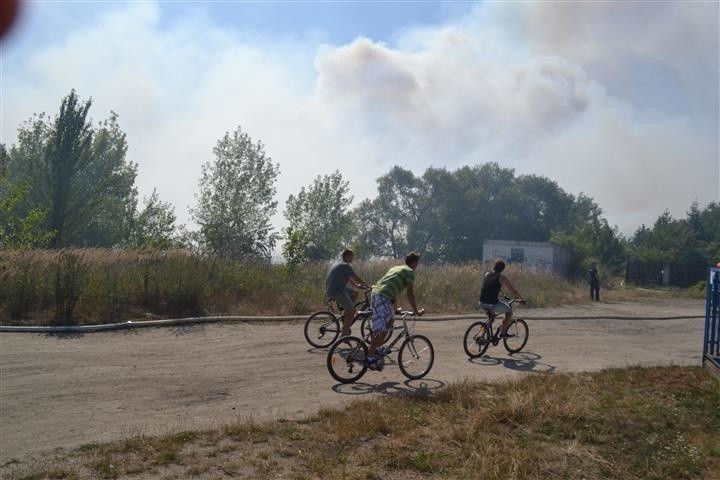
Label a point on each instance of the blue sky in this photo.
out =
(616, 100)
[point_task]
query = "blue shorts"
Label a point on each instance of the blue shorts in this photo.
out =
(382, 315)
(497, 308)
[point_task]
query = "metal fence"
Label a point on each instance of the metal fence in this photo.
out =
(711, 349)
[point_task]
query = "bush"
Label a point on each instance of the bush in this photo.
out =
(90, 286)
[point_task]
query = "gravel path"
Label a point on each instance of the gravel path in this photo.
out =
(64, 391)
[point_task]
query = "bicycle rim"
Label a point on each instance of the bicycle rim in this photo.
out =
(477, 339)
(416, 357)
(322, 329)
(520, 333)
(346, 359)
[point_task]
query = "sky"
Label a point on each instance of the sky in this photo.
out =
(616, 100)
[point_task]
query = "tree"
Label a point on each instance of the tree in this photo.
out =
(15, 231)
(236, 199)
(394, 221)
(154, 226)
(77, 173)
(320, 222)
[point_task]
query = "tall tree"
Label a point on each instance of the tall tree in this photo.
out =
(320, 222)
(16, 231)
(154, 226)
(78, 173)
(236, 199)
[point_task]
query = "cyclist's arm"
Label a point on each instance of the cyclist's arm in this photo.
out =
(358, 282)
(506, 283)
(411, 299)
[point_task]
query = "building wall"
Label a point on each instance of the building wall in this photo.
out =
(535, 254)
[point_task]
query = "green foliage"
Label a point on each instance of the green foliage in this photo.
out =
(154, 226)
(449, 214)
(236, 199)
(76, 172)
(691, 240)
(18, 231)
(594, 241)
(320, 223)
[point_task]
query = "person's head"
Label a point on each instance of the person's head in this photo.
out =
(592, 264)
(412, 259)
(499, 266)
(348, 255)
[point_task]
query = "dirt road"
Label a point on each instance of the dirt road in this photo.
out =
(65, 391)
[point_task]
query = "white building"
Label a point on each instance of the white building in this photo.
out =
(536, 254)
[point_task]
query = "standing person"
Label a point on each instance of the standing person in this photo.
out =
(384, 295)
(489, 295)
(594, 281)
(336, 287)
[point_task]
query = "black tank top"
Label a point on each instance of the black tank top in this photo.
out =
(490, 288)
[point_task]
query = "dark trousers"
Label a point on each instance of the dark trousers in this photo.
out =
(595, 292)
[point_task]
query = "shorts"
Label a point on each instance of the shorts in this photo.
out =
(497, 308)
(344, 299)
(382, 315)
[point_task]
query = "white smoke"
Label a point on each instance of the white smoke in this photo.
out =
(618, 101)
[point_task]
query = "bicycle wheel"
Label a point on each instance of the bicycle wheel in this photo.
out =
(416, 357)
(365, 325)
(321, 329)
(346, 359)
(478, 338)
(520, 333)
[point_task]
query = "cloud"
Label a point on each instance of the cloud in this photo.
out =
(605, 104)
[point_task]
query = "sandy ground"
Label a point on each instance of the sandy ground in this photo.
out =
(64, 391)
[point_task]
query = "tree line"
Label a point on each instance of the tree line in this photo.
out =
(67, 182)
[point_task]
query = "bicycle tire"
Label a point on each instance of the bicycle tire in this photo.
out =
(366, 325)
(344, 356)
(477, 339)
(521, 332)
(413, 346)
(322, 329)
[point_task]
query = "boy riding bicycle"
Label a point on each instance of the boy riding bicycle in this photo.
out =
(489, 295)
(336, 288)
(384, 295)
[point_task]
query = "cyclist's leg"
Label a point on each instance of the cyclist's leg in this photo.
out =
(345, 300)
(381, 319)
(500, 308)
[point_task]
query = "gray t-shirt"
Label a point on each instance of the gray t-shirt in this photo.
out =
(337, 277)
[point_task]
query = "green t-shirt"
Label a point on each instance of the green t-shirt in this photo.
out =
(394, 281)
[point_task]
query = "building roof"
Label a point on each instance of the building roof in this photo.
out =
(519, 243)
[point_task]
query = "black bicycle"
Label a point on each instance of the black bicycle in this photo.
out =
(323, 328)
(416, 355)
(479, 335)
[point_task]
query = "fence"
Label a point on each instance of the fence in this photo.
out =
(711, 349)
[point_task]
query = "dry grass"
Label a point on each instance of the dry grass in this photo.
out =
(91, 286)
(654, 423)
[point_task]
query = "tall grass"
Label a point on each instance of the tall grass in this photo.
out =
(91, 286)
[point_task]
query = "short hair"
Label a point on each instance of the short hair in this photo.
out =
(499, 266)
(412, 257)
(346, 253)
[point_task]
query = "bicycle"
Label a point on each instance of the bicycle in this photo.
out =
(323, 328)
(416, 355)
(479, 335)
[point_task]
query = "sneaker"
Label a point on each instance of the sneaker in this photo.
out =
(505, 335)
(382, 351)
(372, 364)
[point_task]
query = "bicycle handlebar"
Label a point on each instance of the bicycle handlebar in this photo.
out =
(512, 300)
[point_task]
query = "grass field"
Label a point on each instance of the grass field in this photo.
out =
(93, 286)
(649, 423)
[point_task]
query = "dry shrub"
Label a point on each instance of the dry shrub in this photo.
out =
(91, 286)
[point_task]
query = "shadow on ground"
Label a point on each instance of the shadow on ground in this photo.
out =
(521, 362)
(413, 388)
